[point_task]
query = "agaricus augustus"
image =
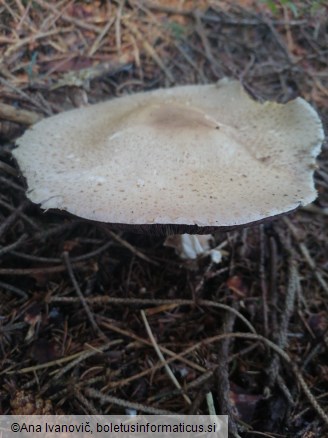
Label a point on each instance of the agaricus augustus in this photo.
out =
(189, 159)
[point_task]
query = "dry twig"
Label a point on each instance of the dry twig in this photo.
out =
(8, 112)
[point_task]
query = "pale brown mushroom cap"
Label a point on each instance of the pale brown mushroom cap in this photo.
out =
(199, 155)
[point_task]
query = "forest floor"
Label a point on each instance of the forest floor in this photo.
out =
(78, 303)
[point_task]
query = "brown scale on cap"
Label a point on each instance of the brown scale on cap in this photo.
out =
(173, 116)
(189, 159)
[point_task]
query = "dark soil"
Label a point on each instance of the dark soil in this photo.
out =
(76, 298)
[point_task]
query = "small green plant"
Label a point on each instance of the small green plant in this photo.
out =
(177, 30)
(298, 8)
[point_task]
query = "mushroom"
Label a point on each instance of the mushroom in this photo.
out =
(189, 159)
(193, 246)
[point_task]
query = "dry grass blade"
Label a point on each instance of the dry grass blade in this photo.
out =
(283, 355)
(146, 342)
(100, 37)
(85, 355)
(161, 357)
(129, 246)
(305, 252)
(158, 302)
(81, 296)
(68, 18)
(149, 50)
